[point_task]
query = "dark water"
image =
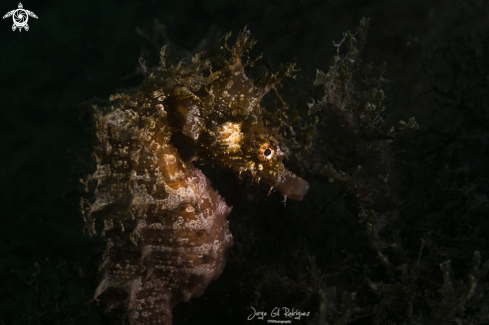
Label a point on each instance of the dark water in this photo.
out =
(315, 253)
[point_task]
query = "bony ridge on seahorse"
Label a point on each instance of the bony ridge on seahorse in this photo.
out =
(165, 226)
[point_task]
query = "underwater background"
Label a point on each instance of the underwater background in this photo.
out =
(401, 240)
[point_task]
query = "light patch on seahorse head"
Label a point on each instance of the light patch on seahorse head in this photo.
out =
(229, 135)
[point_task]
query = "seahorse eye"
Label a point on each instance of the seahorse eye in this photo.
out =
(266, 152)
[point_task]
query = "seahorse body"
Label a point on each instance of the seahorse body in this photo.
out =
(166, 227)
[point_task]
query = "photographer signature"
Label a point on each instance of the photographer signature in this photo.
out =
(277, 312)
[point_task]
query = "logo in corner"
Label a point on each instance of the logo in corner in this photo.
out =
(20, 17)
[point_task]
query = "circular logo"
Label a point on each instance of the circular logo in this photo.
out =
(20, 17)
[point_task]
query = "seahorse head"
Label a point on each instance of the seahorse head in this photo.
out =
(218, 108)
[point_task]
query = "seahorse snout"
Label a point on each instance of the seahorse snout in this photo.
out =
(288, 184)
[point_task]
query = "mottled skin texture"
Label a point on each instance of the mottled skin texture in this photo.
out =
(166, 228)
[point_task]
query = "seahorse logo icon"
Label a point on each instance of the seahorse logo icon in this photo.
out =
(20, 17)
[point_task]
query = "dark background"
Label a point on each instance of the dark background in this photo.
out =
(78, 50)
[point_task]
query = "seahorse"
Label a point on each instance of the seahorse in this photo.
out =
(165, 226)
